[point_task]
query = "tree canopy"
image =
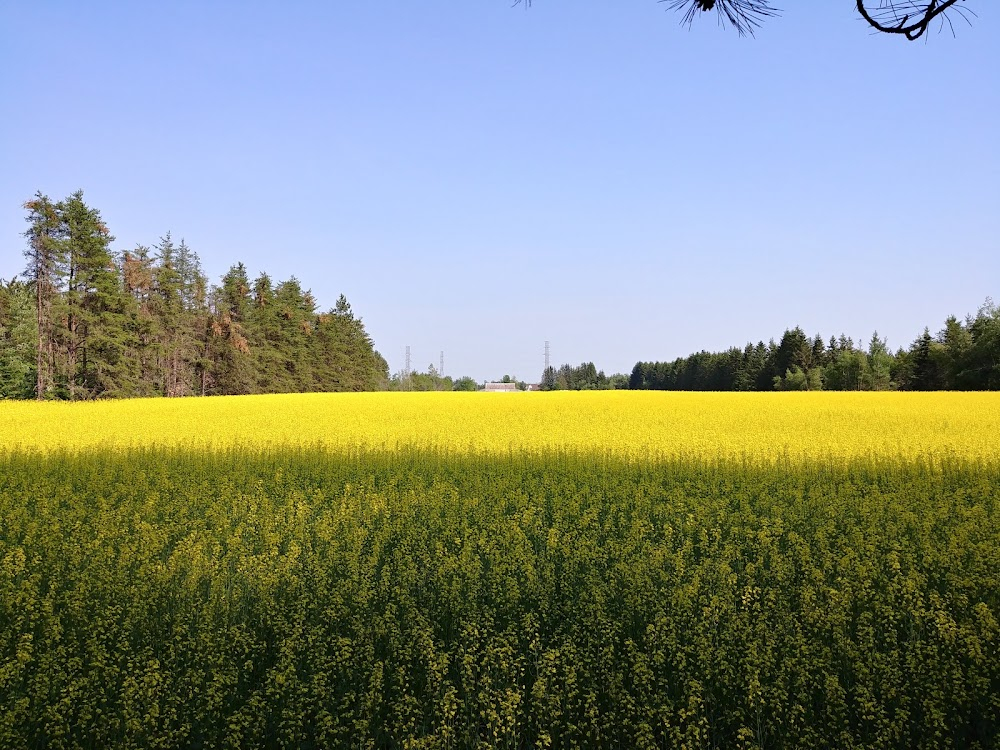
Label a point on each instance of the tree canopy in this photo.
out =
(963, 356)
(87, 322)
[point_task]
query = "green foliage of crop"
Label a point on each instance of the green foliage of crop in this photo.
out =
(417, 599)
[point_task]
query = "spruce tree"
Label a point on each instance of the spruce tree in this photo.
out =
(983, 357)
(97, 321)
(264, 332)
(46, 256)
(194, 325)
(169, 310)
(296, 315)
(878, 377)
(232, 364)
(926, 373)
(137, 268)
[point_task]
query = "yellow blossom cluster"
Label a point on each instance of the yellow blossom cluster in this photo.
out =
(753, 426)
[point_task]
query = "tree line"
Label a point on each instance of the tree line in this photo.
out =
(583, 377)
(85, 322)
(963, 356)
(432, 380)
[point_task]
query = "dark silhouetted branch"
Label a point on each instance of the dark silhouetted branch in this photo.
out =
(907, 17)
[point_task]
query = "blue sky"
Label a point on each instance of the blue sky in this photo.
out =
(479, 179)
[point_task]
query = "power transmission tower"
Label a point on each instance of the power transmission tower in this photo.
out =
(441, 368)
(406, 371)
(546, 356)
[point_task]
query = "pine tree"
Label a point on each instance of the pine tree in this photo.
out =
(958, 343)
(193, 284)
(878, 377)
(983, 357)
(926, 372)
(46, 256)
(137, 268)
(97, 320)
(549, 378)
(296, 315)
(194, 325)
(762, 360)
(795, 350)
(818, 352)
(147, 323)
(169, 310)
(367, 370)
(232, 365)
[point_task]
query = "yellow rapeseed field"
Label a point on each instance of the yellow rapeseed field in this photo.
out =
(759, 426)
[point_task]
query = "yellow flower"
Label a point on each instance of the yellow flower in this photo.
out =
(744, 426)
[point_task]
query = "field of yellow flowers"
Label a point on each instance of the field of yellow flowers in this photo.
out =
(564, 570)
(637, 424)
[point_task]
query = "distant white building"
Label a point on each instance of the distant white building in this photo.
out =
(500, 387)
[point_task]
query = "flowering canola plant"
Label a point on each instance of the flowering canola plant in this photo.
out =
(750, 426)
(502, 570)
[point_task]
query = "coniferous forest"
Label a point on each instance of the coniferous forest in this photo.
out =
(85, 322)
(963, 356)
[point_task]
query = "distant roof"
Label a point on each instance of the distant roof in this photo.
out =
(502, 387)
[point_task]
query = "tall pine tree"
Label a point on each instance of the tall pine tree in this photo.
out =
(46, 256)
(97, 330)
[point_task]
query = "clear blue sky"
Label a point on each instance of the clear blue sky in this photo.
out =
(479, 179)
